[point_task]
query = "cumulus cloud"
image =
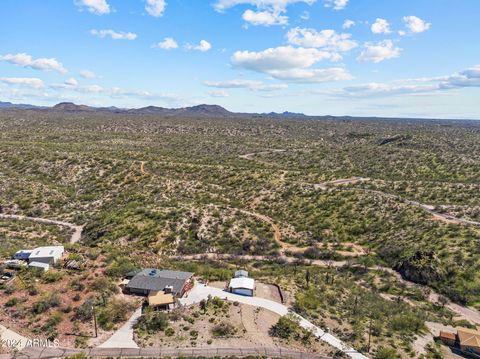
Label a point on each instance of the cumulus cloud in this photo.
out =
(222, 5)
(167, 44)
(25, 60)
(267, 13)
(336, 4)
(203, 46)
(326, 39)
(347, 24)
(380, 51)
(98, 7)
(265, 18)
(415, 24)
(115, 35)
(32, 82)
(71, 82)
(464, 79)
(291, 64)
(252, 85)
(155, 8)
(87, 74)
(381, 26)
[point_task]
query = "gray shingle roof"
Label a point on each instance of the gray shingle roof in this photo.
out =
(156, 280)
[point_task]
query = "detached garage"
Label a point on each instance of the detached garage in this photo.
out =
(242, 286)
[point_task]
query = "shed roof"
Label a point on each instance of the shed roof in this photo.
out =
(447, 335)
(50, 251)
(242, 283)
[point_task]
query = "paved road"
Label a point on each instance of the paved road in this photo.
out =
(201, 291)
(11, 339)
(77, 234)
(123, 337)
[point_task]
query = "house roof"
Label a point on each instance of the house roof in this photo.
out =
(51, 251)
(242, 283)
(160, 298)
(469, 337)
(157, 280)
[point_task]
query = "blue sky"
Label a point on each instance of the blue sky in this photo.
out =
(339, 57)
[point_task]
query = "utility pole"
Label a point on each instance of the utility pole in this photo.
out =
(369, 335)
(95, 321)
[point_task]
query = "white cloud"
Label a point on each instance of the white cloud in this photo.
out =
(265, 18)
(292, 64)
(381, 26)
(203, 46)
(313, 75)
(279, 58)
(25, 60)
(98, 7)
(268, 12)
(114, 34)
(401, 33)
(336, 4)
(327, 39)
(71, 82)
(463, 79)
(415, 24)
(347, 24)
(218, 93)
(252, 85)
(380, 51)
(281, 5)
(23, 81)
(167, 44)
(87, 74)
(155, 8)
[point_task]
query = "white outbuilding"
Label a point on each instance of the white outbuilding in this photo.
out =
(48, 255)
(242, 286)
(43, 266)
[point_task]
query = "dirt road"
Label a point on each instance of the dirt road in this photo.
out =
(76, 236)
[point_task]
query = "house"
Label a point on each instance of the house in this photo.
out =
(22, 254)
(469, 339)
(40, 265)
(49, 255)
(241, 284)
(160, 286)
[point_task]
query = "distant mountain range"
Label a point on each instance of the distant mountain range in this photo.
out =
(193, 111)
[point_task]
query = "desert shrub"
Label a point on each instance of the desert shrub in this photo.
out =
(223, 330)
(50, 301)
(386, 353)
(114, 312)
(152, 322)
(285, 327)
(12, 302)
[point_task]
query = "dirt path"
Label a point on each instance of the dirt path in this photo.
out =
(76, 236)
(142, 168)
(428, 208)
(277, 233)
